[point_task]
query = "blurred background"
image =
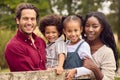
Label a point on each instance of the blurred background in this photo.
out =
(8, 27)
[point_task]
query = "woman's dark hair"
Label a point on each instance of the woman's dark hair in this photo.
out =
(50, 20)
(23, 6)
(106, 35)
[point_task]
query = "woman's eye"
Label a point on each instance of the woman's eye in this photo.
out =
(95, 26)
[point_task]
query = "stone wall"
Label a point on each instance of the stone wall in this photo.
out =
(35, 75)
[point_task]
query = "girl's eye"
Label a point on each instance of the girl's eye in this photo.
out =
(53, 32)
(76, 30)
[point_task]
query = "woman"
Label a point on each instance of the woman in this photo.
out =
(98, 34)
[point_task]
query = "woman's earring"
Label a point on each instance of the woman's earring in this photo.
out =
(84, 35)
(80, 37)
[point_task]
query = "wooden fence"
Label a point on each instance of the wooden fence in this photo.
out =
(35, 75)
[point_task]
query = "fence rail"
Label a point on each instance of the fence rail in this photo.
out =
(35, 75)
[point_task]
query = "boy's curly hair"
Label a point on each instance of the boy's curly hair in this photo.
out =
(50, 20)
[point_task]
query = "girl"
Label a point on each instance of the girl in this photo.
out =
(50, 26)
(77, 48)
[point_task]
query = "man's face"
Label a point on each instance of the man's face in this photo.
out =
(27, 22)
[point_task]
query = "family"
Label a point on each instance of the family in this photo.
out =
(81, 45)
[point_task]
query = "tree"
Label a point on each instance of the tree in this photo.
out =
(7, 11)
(67, 7)
(82, 7)
(114, 16)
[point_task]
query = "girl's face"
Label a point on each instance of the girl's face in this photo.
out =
(93, 29)
(51, 33)
(73, 31)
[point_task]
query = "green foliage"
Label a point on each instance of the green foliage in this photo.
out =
(114, 17)
(8, 21)
(5, 36)
(5, 70)
(118, 50)
(42, 5)
(76, 6)
(89, 6)
(117, 78)
(7, 10)
(64, 7)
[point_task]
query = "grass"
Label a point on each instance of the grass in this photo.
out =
(5, 35)
(117, 78)
(5, 70)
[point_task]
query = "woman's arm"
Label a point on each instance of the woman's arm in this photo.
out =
(88, 63)
(103, 66)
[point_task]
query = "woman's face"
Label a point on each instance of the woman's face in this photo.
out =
(93, 28)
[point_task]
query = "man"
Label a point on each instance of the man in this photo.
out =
(25, 51)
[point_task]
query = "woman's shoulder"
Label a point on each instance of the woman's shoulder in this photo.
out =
(104, 50)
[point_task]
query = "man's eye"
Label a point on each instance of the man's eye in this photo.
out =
(33, 19)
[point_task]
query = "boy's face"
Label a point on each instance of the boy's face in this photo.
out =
(51, 33)
(27, 22)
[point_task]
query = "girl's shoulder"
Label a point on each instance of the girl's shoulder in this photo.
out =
(83, 42)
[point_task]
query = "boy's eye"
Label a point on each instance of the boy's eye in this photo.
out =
(86, 25)
(46, 32)
(76, 30)
(69, 30)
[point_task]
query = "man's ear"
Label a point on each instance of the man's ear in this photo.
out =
(17, 20)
